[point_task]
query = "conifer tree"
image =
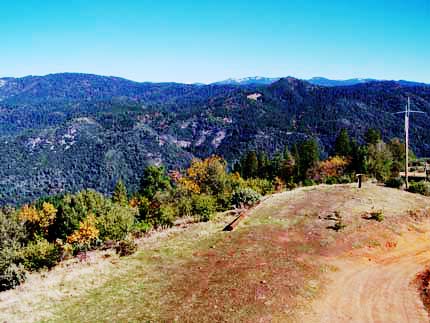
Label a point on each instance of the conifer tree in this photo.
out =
(342, 146)
(309, 156)
(372, 136)
(250, 168)
(120, 193)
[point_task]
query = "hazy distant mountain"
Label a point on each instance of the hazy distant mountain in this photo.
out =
(322, 81)
(327, 82)
(248, 81)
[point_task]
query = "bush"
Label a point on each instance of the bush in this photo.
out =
(184, 206)
(40, 254)
(126, 248)
(330, 180)
(420, 188)
(163, 216)
(246, 197)
(12, 276)
(345, 179)
(259, 185)
(308, 182)
(394, 182)
(204, 207)
(140, 227)
(12, 236)
(115, 223)
(377, 215)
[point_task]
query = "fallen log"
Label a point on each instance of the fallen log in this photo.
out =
(235, 222)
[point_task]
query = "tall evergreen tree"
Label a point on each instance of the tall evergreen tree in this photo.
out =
(250, 167)
(296, 156)
(287, 167)
(308, 156)
(154, 180)
(372, 136)
(120, 193)
(263, 165)
(342, 146)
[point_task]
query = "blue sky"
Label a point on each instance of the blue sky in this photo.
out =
(205, 41)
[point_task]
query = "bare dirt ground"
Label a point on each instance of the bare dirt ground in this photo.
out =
(376, 287)
(284, 263)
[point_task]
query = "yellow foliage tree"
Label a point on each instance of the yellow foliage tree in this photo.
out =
(29, 213)
(87, 232)
(198, 174)
(47, 215)
(334, 166)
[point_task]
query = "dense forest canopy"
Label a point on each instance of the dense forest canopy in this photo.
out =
(65, 132)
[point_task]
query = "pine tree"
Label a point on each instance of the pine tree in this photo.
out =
(250, 167)
(120, 193)
(309, 156)
(154, 180)
(342, 146)
(372, 136)
(263, 165)
(296, 156)
(287, 167)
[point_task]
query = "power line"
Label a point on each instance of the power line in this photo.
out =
(407, 112)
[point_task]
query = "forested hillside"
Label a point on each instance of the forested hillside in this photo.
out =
(66, 132)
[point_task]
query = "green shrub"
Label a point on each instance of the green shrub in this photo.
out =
(140, 227)
(163, 216)
(184, 206)
(143, 208)
(420, 188)
(115, 223)
(245, 197)
(345, 179)
(204, 207)
(11, 276)
(40, 254)
(126, 248)
(377, 215)
(330, 180)
(308, 182)
(394, 182)
(260, 185)
(12, 236)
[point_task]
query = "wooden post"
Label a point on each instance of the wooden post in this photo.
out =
(359, 178)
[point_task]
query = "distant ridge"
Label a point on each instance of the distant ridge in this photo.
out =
(321, 81)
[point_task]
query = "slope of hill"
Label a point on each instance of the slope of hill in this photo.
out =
(283, 263)
(64, 132)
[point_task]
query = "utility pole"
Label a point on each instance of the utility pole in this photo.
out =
(407, 112)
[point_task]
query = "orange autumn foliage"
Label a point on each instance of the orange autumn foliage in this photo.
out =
(334, 166)
(42, 218)
(86, 233)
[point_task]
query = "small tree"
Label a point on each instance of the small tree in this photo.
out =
(154, 180)
(250, 167)
(342, 146)
(372, 136)
(120, 193)
(308, 156)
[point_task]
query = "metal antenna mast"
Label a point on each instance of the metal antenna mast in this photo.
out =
(407, 112)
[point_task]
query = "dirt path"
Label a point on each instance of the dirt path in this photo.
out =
(376, 287)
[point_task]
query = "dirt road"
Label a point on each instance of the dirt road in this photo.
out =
(376, 287)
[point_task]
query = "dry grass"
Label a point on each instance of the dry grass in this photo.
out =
(269, 269)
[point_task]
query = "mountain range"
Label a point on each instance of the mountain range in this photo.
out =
(64, 132)
(260, 80)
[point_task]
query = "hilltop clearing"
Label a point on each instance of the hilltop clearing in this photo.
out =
(313, 254)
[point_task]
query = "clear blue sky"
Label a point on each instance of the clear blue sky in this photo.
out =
(204, 41)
